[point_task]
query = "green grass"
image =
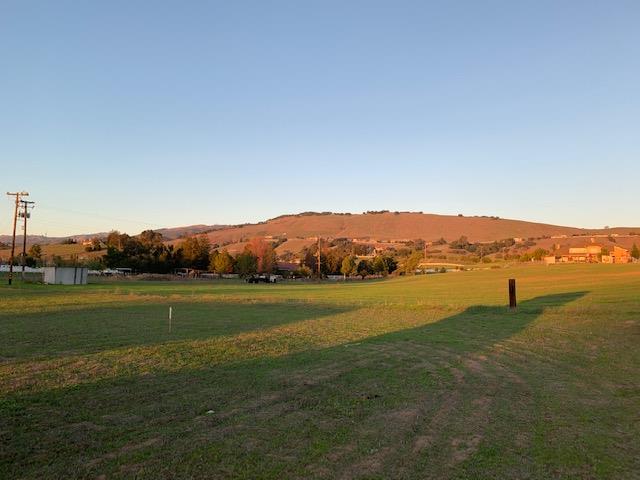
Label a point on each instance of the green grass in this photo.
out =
(422, 377)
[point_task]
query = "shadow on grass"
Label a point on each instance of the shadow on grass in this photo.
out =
(324, 384)
(479, 326)
(93, 329)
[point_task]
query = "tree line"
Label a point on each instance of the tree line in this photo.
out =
(148, 252)
(344, 257)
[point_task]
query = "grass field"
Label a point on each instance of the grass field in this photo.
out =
(422, 377)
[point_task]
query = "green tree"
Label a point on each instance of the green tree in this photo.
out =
(35, 251)
(94, 264)
(96, 244)
(310, 259)
(246, 263)
(169, 259)
(461, 244)
(335, 257)
(150, 239)
(539, 254)
(144, 253)
(132, 247)
(379, 265)
(348, 266)
(114, 239)
(635, 252)
(113, 258)
(196, 252)
(303, 271)
(392, 265)
(412, 261)
(221, 262)
(525, 257)
(364, 268)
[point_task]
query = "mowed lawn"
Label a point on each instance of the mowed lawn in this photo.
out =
(421, 377)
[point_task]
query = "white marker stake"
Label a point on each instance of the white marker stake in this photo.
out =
(170, 312)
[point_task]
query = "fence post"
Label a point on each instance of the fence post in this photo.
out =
(512, 293)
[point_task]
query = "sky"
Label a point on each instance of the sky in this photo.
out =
(142, 114)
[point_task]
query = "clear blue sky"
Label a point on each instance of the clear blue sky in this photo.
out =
(133, 114)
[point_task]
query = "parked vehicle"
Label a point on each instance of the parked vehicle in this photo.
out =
(263, 278)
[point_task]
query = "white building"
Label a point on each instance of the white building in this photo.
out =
(65, 275)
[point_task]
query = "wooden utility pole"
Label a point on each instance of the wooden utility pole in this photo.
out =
(512, 293)
(13, 238)
(25, 216)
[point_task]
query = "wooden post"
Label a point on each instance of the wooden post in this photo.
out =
(24, 238)
(512, 293)
(13, 241)
(170, 315)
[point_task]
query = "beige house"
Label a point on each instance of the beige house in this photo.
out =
(588, 254)
(618, 255)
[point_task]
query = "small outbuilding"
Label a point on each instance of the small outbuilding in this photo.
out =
(65, 275)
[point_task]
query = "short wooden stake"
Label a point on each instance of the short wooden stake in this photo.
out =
(512, 293)
(170, 312)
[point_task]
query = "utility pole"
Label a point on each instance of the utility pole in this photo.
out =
(13, 238)
(25, 216)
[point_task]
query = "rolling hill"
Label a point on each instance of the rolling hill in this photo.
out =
(371, 227)
(390, 226)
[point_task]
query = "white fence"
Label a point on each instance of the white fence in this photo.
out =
(18, 268)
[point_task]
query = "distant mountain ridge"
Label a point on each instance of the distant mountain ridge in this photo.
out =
(171, 233)
(375, 225)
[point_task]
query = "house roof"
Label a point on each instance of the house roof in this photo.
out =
(287, 266)
(621, 248)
